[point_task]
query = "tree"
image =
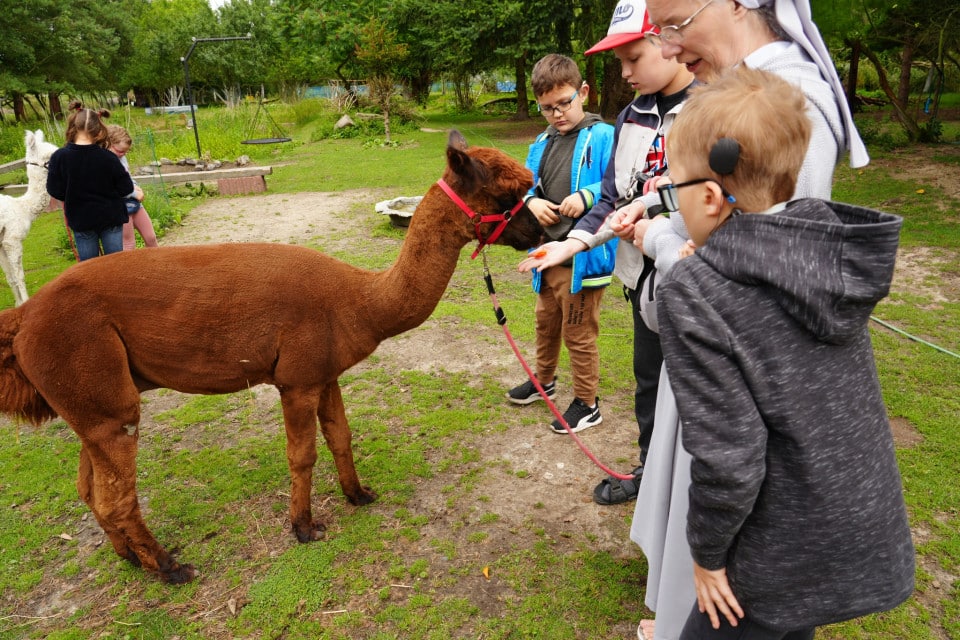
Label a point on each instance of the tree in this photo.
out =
(908, 29)
(380, 55)
(165, 29)
(55, 46)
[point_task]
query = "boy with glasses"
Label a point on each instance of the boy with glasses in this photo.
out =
(791, 499)
(568, 161)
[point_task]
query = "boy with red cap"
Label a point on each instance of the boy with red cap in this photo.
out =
(638, 159)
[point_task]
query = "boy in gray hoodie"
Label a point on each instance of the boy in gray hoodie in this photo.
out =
(796, 516)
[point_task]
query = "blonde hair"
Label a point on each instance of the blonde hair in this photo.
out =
(87, 120)
(767, 117)
(118, 135)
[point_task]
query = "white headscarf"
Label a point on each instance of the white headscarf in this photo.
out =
(796, 20)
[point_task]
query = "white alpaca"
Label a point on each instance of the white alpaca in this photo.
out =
(17, 214)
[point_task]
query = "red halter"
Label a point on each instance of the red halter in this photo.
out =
(503, 218)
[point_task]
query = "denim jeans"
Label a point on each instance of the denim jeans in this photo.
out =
(88, 242)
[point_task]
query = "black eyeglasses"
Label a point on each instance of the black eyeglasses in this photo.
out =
(559, 108)
(672, 34)
(671, 199)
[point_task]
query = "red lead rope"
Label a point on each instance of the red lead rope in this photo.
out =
(502, 321)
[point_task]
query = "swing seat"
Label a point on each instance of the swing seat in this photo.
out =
(266, 140)
(278, 134)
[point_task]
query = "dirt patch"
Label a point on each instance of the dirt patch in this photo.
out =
(915, 163)
(923, 271)
(905, 434)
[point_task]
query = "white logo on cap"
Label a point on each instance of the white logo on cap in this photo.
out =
(624, 11)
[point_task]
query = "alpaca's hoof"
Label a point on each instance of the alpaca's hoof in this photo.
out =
(179, 574)
(366, 495)
(310, 532)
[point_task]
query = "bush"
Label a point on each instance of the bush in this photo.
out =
(931, 131)
(875, 134)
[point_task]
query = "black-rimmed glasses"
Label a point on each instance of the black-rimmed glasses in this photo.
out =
(672, 34)
(560, 107)
(671, 199)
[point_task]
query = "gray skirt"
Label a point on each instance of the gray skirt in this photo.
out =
(660, 520)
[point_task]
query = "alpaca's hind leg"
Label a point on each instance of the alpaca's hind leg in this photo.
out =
(85, 487)
(336, 431)
(81, 368)
(300, 421)
(111, 452)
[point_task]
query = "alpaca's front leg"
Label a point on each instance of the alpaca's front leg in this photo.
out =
(300, 421)
(336, 431)
(11, 261)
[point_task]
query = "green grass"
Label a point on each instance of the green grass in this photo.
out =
(213, 477)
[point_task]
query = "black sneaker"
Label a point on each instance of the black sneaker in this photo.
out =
(527, 393)
(579, 416)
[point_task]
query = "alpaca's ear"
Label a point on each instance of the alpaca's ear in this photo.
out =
(39, 136)
(457, 159)
(30, 141)
(457, 140)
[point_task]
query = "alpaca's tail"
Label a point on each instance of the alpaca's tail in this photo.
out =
(18, 396)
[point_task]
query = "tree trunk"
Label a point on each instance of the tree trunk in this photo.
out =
(593, 98)
(909, 124)
(616, 93)
(19, 109)
(523, 105)
(906, 63)
(55, 107)
(420, 86)
(854, 74)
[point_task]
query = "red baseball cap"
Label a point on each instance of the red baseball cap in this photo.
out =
(630, 22)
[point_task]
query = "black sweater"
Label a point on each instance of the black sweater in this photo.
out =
(91, 182)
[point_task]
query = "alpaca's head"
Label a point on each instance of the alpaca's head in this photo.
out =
(491, 182)
(38, 152)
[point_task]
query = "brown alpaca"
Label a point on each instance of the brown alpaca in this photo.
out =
(221, 318)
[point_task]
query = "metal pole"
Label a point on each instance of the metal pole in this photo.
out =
(186, 76)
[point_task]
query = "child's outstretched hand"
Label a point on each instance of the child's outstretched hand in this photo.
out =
(687, 249)
(639, 231)
(544, 211)
(551, 254)
(715, 596)
(622, 220)
(650, 186)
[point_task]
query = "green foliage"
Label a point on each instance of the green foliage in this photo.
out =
(931, 131)
(880, 135)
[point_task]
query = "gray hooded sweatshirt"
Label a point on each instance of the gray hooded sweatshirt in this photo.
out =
(795, 486)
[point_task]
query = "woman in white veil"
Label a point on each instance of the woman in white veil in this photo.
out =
(778, 36)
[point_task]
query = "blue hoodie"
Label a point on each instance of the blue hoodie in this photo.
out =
(594, 148)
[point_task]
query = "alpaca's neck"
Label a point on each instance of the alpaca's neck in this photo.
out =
(409, 291)
(35, 199)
